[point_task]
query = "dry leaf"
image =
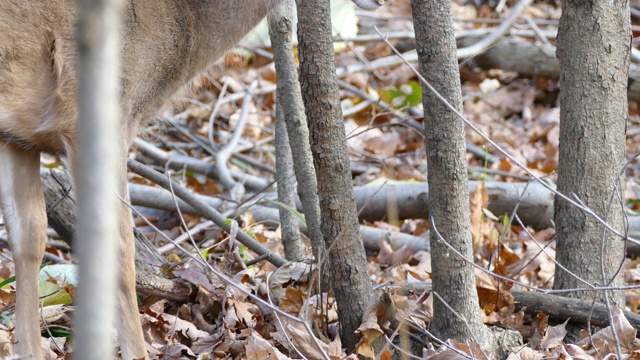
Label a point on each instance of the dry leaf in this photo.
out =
(553, 336)
(259, 348)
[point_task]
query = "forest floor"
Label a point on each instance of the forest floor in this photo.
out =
(516, 109)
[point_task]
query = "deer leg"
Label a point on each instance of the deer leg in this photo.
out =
(130, 337)
(23, 209)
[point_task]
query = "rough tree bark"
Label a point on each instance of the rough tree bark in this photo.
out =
(289, 96)
(349, 274)
(293, 249)
(593, 50)
(453, 277)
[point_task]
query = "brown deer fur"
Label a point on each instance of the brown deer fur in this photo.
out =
(165, 43)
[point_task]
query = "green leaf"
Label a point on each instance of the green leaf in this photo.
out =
(7, 282)
(289, 209)
(60, 332)
(6, 320)
(403, 96)
(51, 294)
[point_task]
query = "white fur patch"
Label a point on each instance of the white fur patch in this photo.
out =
(8, 201)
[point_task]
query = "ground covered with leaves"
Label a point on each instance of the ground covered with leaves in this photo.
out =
(213, 319)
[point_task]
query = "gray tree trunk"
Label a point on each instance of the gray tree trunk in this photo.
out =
(593, 50)
(289, 96)
(453, 277)
(98, 176)
(347, 261)
(290, 233)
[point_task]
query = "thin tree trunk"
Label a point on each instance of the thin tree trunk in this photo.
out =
(453, 277)
(289, 96)
(98, 168)
(593, 50)
(293, 250)
(349, 273)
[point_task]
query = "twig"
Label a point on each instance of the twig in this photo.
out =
(552, 258)
(184, 236)
(538, 32)
(225, 279)
(464, 320)
(178, 162)
(286, 332)
(207, 211)
(225, 153)
(573, 202)
(214, 112)
(543, 291)
(495, 35)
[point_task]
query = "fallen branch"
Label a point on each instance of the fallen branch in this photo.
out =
(171, 289)
(562, 308)
(535, 208)
(556, 307)
(207, 211)
(529, 59)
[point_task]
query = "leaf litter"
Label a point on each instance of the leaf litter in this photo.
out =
(219, 321)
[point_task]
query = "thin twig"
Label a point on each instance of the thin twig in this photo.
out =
(573, 202)
(206, 211)
(225, 153)
(214, 112)
(495, 35)
(225, 279)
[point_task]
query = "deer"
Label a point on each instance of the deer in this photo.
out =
(164, 44)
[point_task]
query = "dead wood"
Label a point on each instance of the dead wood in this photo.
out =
(535, 207)
(530, 59)
(61, 213)
(559, 308)
(150, 284)
(61, 205)
(562, 308)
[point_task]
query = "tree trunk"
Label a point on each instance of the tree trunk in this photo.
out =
(349, 274)
(289, 96)
(293, 249)
(453, 277)
(98, 134)
(593, 50)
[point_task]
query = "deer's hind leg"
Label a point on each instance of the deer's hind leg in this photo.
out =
(130, 336)
(128, 322)
(23, 210)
